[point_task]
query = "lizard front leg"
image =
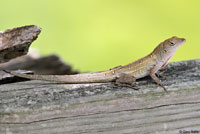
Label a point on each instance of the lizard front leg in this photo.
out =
(155, 78)
(125, 80)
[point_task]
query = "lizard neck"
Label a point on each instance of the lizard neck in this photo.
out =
(161, 54)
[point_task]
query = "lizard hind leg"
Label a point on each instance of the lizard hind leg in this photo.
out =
(125, 80)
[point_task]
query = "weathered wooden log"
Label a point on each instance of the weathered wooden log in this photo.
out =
(44, 107)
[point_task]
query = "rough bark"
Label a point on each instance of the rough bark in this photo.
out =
(15, 42)
(45, 107)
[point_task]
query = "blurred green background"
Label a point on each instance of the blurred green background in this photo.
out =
(94, 35)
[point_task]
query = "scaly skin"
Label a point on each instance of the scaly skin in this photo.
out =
(124, 75)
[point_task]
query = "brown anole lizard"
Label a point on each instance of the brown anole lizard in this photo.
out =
(122, 75)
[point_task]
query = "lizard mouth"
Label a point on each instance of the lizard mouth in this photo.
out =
(182, 41)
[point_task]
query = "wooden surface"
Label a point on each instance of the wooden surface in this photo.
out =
(38, 107)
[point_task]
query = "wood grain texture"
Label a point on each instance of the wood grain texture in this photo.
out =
(42, 107)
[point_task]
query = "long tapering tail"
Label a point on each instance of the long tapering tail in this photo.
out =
(97, 77)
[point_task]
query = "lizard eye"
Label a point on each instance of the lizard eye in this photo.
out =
(172, 43)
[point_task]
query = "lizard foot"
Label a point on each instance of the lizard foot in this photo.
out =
(162, 85)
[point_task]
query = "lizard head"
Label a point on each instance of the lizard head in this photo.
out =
(166, 49)
(172, 43)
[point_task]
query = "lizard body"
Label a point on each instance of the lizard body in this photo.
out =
(127, 74)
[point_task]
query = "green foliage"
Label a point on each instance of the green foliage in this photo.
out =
(94, 35)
